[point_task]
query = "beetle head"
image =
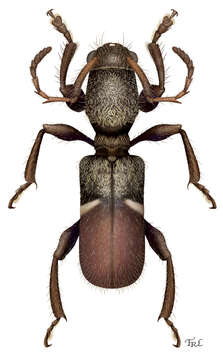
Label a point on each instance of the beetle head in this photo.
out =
(112, 56)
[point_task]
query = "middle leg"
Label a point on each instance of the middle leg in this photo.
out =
(162, 132)
(61, 131)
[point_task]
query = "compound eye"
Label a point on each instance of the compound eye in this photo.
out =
(91, 55)
(133, 56)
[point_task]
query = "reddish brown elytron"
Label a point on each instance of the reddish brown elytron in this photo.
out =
(112, 227)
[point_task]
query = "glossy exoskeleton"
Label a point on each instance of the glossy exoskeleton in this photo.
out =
(112, 227)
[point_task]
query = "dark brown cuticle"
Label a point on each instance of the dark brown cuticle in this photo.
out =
(112, 228)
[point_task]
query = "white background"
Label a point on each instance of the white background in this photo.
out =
(111, 324)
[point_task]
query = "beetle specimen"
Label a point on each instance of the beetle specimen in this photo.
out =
(112, 228)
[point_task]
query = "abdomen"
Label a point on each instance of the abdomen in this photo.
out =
(112, 243)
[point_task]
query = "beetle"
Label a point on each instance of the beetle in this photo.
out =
(112, 228)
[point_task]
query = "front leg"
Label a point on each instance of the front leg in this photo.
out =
(61, 131)
(155, 52)
(161, 132)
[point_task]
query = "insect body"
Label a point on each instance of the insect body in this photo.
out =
(112, 227)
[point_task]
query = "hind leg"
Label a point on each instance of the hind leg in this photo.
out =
(66, 243)
(158, 244)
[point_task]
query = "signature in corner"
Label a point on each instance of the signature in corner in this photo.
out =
(193, 342)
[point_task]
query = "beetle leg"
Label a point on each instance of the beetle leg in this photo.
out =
(150, 90)
(166, 23)
(158, 90)
(68, 54)
(76, 91)
(154, 49)
(69, 90)
(190, 70)
(157, 58)
(30, 169)
(65, 62)
(35, 62)
(66, 243)
(155, 52)
(59, 25)
(61, 131)
(158, 244)
(67, 133)
(161, 132)
(66, 59)
(194, 168)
